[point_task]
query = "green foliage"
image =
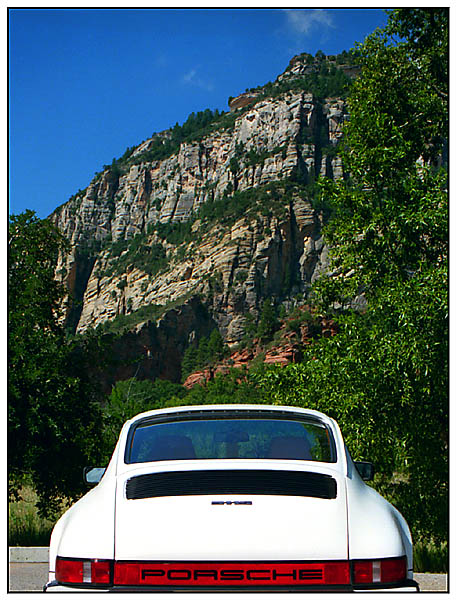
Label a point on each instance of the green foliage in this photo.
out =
(189, 362)
(327, 80)
(300, 317)
(241, 276)
(52, 413)
(131, 397)
(197, 126)
(217, 349)
(268, 322)
(384, 377)
(253, 157)
(391, 217)
(175, 232)
(425, 32)
(236, 387)
(25, 526)
(128, 152)
(234, 165)
(430, 557)
(267, 329)
(206, 353)
(269, 199)
(139, 253)
(147, 312)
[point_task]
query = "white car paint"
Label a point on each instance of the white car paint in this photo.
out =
(104, 524)
(299, 526)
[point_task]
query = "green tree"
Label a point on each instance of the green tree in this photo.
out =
(425, 32)
(216, 347)
(131, 397)
(390, 218)
(390, 232)
(208, 352)
(189, 361)
(234, 165)
(235, 387)
(268, 322)
(385, 375)
(53, 419)
(203, 357)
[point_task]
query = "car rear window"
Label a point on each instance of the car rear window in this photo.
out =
(250, 438)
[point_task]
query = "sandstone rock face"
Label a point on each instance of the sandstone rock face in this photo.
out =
(232, 267)
(114, 208)
(234, 270)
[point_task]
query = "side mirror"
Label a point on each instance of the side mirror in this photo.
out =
(93, 475)
(365, 469)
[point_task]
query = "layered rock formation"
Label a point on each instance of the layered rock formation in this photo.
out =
(270, 250)
(117, 207)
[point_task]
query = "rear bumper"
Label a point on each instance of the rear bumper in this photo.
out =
(407, 586)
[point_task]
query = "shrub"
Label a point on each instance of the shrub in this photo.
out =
(131, 397)
(430, 556)
(25, 526)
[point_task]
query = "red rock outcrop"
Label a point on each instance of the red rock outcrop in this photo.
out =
(287, 351)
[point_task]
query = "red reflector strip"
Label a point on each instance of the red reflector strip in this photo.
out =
(227, 573)
(101, 571)
(387, 570)
(363, 571)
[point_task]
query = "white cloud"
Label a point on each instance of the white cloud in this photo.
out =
(192, 78)
(189, 77)
(304, 20)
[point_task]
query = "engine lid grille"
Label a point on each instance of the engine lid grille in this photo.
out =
(232, 481)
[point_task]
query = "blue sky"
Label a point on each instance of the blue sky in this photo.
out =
(84, 84)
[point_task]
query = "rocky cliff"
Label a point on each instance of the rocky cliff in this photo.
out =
(228, 214)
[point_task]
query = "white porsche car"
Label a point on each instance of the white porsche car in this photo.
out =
(231, 498)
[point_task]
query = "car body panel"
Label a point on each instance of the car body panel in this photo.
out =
(74, 539)
(192, 528)
(371, 516)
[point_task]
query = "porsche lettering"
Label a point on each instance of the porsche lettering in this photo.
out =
(172, 575)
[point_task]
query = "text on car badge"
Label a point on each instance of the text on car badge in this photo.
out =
(230, 502)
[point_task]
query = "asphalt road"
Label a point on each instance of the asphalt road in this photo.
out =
(27, 577)
(30, 577)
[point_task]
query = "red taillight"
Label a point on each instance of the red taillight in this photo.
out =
(231, 573)
(68, 571)
(99, 572)
(71, 570)
(394, 569)
(362, 570)
(387, 570)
